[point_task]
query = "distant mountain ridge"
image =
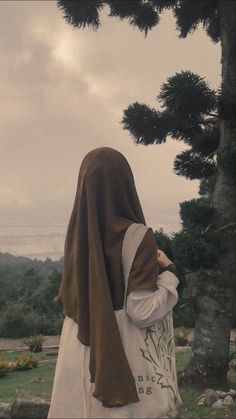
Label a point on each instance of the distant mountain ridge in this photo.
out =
(7, 259)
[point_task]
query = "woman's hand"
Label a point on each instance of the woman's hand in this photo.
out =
(162, 259)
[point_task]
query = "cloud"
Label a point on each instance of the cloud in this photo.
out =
(63, 93)
(12, 198)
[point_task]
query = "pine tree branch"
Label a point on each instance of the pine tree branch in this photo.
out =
(219, 229)
(225, 226)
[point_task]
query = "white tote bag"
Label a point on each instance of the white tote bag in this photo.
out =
(150, 351)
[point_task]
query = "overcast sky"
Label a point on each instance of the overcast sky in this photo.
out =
(63, 91)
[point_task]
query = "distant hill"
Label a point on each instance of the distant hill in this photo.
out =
(6, 259)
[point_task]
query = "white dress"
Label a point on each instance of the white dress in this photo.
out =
(148, 313)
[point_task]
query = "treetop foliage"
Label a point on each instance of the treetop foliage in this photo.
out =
(190, 13)
(146, 125)
(81, 13)
(187, 95)
(189, 108)
(193, 166)
(189, 112)
(187, 103)
(145, 14)
(196, 212)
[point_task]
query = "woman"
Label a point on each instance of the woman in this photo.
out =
(116, 356)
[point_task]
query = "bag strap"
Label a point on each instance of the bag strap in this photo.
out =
(132, 239)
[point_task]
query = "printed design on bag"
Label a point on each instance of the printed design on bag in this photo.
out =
(144, 384)
(159, 351)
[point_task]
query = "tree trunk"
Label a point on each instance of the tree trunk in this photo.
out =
(209, 361)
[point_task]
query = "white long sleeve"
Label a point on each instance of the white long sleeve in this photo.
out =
(145, 307)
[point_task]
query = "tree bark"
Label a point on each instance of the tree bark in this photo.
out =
(216, 302)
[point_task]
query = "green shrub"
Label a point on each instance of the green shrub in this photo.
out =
(35, 343)
(18, 320)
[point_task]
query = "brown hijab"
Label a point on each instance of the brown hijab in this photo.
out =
(92, 287)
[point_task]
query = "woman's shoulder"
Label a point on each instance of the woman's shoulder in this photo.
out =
(140, 236)
(149, 238)
(138, 228)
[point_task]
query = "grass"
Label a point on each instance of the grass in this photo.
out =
(182, 358)
(189, 394)
(22, 380)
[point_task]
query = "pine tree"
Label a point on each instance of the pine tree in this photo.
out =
(207, 124)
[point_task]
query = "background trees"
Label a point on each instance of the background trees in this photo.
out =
(26, 307)
(205, 121)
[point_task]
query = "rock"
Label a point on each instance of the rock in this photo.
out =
(201, 401)
(228, 401)
(221, 393)
(232, 393)
(232, 364)
(30, 404)
(208, 397)
(5, 409)
(217, 404)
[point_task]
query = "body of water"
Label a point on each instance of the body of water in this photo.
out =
(41, 242)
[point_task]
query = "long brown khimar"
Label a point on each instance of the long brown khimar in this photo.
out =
(92, 287)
